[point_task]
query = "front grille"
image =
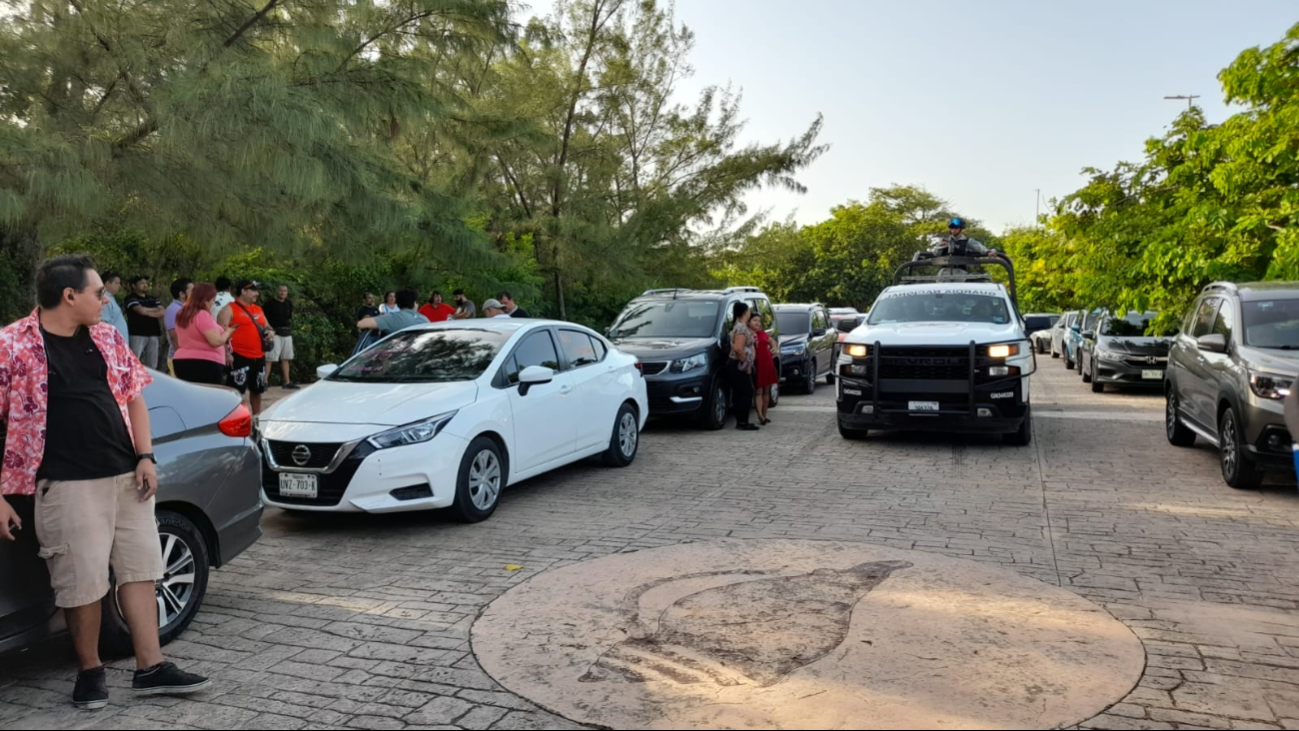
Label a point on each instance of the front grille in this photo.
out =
(653, 369)
(1142, 361)
(927, 364)
(321, 454)
(331, 485)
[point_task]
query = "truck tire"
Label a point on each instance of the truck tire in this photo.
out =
(1023, 436)
(853, 434)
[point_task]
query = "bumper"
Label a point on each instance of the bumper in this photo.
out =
(1112, 373)
(1268, 440)
(397, 480)
(244, 527)
(793, 368)
(677, 394)
(998, 408)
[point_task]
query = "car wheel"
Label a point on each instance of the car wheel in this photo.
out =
(714, 416)
(1023, 436)
(179, 592)
(1178, 434)
(1086, 373)
(853, 434)
(625, 442)
(1097, 386)
(1068, 363)
(774, 397)
(1054, 354)
(482, 477)
(809, 386)
(1238, 470)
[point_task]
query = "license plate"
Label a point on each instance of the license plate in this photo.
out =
(1152, 375)
(924, 406)
(305, 486)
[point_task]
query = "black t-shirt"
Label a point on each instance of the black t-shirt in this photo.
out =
(85, 435)
(280, 316)
(366, 311)
(519, 312)
(139, 325)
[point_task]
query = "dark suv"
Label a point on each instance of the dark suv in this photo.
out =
(807, 345)
(680, 336)
(1229, 370)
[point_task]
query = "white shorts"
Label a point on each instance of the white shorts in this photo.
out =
(282, 350)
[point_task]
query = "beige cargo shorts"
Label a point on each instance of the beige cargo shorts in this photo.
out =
(85, 526)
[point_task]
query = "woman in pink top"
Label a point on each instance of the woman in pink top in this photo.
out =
(201, 355)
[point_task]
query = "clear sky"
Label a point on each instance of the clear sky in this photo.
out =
(982, 102)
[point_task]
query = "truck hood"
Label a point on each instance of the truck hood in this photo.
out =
(935, 333)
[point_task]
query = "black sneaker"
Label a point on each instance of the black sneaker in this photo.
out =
(167, 679)
(291, 387)
(747, 427)
(91, 692)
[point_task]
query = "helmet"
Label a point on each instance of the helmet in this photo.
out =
(956, 223)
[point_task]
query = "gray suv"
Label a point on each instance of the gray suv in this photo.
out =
(1229, 370)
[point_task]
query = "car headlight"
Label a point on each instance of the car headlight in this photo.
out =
(1270, 385)
(856, 351)
(1109, 355)
(420, 431)
(795, 349)
(1003, 351)
(685, 365)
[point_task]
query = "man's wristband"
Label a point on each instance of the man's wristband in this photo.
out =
(147, 455)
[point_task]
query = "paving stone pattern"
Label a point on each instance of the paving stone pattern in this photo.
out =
(363, 622)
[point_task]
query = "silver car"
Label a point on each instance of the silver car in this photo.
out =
(209, 510)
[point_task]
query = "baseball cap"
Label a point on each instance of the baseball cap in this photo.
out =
(248, 284)
(493, 304)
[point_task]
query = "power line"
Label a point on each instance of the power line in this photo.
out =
(1190, 99)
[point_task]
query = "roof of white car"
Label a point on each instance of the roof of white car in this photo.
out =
(505, 325)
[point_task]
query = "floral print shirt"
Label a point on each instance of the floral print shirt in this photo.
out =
(24, 394)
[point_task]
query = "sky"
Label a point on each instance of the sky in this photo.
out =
(982, 102)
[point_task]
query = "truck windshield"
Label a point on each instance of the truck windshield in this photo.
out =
(930, 306)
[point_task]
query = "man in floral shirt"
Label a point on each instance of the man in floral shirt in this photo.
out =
(78, 451)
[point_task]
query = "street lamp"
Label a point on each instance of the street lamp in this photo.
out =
(1190, 99)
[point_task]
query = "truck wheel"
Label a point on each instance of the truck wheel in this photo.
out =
(1177, 433)
(1238, 470)
(853, 434)
(1023, 436)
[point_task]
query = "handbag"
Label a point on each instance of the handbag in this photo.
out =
(267, 334)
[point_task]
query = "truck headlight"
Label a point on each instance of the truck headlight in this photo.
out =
(856, 351)
(416, 433)
(1270, 385)
(685, 365)
(1003, 351)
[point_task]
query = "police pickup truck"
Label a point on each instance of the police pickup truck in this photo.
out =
(945, 352)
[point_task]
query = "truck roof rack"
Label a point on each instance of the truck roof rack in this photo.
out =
(667, 290)
(1220, 287)
(955, 269)
(747, 288)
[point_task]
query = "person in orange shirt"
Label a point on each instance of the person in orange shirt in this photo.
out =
(248, 345)
(435, 310)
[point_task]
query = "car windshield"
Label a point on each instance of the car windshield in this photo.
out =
(425, 356)
(1134, 325)
(930, 306)
(1272, 323)
(667, 319)
(793, 323)
(1039, 322)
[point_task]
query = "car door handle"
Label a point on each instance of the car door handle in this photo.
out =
(565, 390)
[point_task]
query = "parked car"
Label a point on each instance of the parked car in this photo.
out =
(1074, 338)
(844, 320)
(208, 510)
(1229, 370)
(807, 345)
(447, 415)
(1060, 333)
(1120, 353)
(680, 337)
(1038, 325)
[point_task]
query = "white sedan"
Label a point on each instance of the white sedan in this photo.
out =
(446, 415)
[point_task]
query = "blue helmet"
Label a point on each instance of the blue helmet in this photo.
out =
(956, 223)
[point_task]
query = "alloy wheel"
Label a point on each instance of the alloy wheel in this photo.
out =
(1230, 450)
(628, 434)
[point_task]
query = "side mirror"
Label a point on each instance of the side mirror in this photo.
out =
(1077, 328)
(818, 333)
(1089, 336)
(325, 371)
(534, 376)
(1213, 343)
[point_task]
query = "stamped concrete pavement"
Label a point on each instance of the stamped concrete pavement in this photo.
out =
(364, 622)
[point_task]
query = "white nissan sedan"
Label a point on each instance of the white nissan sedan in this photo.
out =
(446, 415)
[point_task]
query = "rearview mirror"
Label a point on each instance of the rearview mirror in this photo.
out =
(534, 376)
(1213, 343)
(325, 371)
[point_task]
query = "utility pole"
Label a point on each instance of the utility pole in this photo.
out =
(1037, 207)
(1190, 99)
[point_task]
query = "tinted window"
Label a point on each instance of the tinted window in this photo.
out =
(425, 356)
(929, 306)
(1204, 317)
(600, 349)
(578, 348)
(1089, 322)
(536, 350)
(793, 323)
(1134, 325)
(819, 321)
(1226, 320)
(1036, 322)
(668, 319)
(1272, 323)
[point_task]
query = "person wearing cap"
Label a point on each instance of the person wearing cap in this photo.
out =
(493, 309)
(405, 316)
(247, 358)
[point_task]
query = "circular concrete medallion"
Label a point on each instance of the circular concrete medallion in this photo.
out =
(804, 634)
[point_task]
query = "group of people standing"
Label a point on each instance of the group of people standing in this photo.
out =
(398, 310)
(750, 368)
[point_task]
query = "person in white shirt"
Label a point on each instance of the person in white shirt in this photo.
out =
(224, 297)
(389, 305)
(493, 309)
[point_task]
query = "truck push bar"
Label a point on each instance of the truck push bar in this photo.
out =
(954, 269)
